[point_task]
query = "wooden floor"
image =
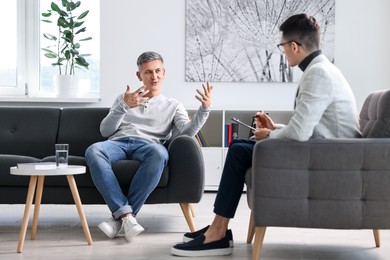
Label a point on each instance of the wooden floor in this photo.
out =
(60, 236)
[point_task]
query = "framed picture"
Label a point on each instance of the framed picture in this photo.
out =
(235, 40)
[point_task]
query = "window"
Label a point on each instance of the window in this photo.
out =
(24, 70)
(9, 49)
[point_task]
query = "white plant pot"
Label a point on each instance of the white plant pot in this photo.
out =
(66, 85)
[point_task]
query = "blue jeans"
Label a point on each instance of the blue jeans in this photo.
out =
(102, 155)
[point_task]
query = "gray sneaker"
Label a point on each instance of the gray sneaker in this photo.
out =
(111, 227)
(131, 227)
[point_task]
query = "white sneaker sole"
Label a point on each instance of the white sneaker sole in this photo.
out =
(195, 253)
(187, 239)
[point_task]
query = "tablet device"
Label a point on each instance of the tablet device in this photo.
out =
(241, 123)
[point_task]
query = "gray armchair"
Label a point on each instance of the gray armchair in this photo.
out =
(182, 180)
(324, 183)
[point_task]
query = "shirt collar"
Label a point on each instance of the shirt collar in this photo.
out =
(306, 61)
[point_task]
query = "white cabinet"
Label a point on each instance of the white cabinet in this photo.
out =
(213, 160)
(213, 131)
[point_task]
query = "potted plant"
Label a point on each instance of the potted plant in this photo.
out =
(65, 50)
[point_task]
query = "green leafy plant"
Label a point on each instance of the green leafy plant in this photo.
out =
(65, 51)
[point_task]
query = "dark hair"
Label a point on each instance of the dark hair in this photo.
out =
(303, 29)
(148, 56)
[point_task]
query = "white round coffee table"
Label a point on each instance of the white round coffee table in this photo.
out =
(37, 175)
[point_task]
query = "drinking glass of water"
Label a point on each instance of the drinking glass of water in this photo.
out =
(62, 151)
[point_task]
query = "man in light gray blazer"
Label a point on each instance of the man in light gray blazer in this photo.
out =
(324, 108)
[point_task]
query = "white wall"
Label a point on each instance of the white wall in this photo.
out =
(132, 27)
(129, 28)
(363, 44)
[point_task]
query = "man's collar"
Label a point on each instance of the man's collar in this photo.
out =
(306, 61)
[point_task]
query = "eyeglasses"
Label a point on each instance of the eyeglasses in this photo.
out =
(281, 48)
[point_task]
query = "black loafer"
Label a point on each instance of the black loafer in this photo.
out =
(187, 237)
(196, 247)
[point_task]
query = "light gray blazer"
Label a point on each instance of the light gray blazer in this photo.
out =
(325, 105)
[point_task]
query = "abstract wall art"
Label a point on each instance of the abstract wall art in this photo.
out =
(235, 40)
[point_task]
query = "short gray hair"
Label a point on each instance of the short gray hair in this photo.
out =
(148, 56)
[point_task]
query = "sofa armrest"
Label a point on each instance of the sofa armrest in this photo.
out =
(322, 183)
(186, 169)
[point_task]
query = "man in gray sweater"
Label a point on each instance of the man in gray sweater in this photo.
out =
(137, 126)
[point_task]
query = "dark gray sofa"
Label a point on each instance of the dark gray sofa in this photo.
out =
(324, 183)
(28, 134)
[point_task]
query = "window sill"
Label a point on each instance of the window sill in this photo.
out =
(87, 99)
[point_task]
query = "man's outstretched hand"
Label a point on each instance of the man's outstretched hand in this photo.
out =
(136, 98)
(205, 96)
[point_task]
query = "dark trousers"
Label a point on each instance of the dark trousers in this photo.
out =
(238, 160)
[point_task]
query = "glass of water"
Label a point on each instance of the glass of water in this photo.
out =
(62, 154)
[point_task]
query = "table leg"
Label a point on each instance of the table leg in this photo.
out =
(37, 206)
(76, 197)
(26, 215)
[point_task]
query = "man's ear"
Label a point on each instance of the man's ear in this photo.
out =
(299, 48)
(295, 47)
(138, 75)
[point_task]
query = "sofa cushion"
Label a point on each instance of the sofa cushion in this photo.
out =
(34, 126)
(375, 115)
(80, 127)
(7, 161)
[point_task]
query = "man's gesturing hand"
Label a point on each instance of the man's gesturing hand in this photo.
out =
(205, 97)
(136, 98)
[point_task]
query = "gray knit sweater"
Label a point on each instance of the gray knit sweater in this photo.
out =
(162, 118)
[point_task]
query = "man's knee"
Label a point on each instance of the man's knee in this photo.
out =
(240, 148)
(159, 152)
(92, 150)
(236, 146)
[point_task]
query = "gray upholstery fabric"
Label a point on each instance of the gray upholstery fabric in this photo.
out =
(80, 127)
(326, 183)
(28, 131)
(375, 115)
(29, 134)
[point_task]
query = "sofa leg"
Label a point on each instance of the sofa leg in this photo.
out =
(186, 208)
(377, 237)
(251, 229)
(258, 244)
(192, 209)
